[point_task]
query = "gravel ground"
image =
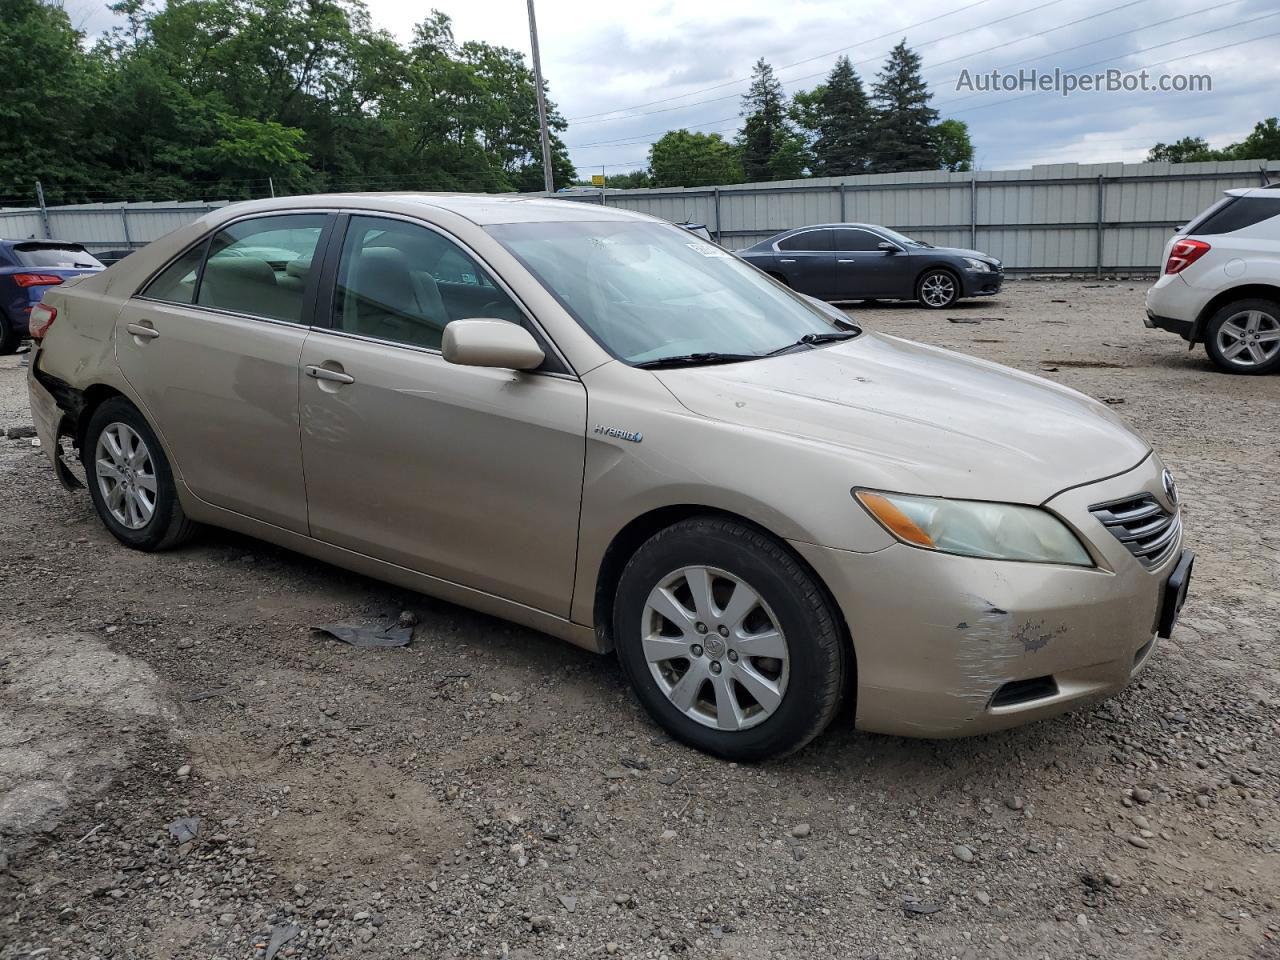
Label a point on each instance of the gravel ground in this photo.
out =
(490, 792)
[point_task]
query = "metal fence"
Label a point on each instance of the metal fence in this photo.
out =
(1059, 218)
(103, 226)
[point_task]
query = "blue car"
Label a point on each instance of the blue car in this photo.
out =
(27, 269)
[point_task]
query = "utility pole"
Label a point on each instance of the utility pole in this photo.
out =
(547, 176)
(44, 211)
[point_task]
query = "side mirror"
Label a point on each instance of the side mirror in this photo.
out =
(888, 247)
(491, 343)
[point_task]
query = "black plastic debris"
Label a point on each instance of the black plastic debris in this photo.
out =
(368, 636)
(184, 829)
(920, 907)
(281, 934)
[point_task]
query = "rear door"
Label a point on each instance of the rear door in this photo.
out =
(862, 269)
(807, 261)
(211, 346)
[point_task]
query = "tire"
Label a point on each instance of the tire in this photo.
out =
(118, 425)
(1234, 337)
(9, 338)
(937, 289)
(702, 693)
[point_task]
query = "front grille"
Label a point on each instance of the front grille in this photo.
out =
(1147, 529)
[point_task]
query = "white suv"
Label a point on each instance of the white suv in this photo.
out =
(1221, 282)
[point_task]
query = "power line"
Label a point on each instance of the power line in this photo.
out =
(1123, 56)
(730, 83)
(810, 76)
(1145, 66)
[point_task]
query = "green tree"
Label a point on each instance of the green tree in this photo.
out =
(771, 148)
(1186, 150)
(955, 151)
(683, 159)
(630, 180)
(51, 88)
(840, 117)
(1262, 144)
(903, 133)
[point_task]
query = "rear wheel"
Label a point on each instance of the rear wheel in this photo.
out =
(938, 289)
(729, 642)
(1244, 337)
(130, 480)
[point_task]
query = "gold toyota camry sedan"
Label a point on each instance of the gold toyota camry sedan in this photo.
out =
(596, 424)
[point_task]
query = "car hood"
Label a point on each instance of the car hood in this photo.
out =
(954, 252)
(920, 419)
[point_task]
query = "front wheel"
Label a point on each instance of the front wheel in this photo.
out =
(1244, 337)
(938, 289)
(130, 480)
(729, 642)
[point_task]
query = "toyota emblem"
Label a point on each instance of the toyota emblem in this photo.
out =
(1170, 488)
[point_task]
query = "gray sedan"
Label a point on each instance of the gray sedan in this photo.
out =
(860, 261)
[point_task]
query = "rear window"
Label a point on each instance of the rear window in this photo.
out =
(1234, 213)
(54, 255)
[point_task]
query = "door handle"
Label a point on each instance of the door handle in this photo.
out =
(844, 261)
(143, 330)
(784, 260)
(334, 376)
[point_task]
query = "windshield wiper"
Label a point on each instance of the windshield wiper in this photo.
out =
(813, 339)
(695, 359)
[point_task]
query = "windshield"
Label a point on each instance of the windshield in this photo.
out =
(54, 255)
(897, 237)
(647, 291)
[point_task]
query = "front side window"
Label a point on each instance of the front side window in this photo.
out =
(404, 283)
(811, 241)
(260, 266)
(856, 241)
(648, 291)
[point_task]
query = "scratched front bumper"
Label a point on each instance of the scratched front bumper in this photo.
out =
(937, 636)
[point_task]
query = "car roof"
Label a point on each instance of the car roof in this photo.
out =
(820, 226)
(481, 209)
(1271, 192)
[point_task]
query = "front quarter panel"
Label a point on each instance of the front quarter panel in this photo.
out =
(796, 489)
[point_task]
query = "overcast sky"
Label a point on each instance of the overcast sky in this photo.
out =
(664, 65)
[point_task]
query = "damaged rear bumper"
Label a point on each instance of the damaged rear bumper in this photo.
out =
(950, 646)
(49, 417)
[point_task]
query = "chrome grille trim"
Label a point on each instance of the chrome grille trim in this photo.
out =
(1140, 522)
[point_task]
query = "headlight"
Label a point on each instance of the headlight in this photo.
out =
(975, 528)
(980, 265)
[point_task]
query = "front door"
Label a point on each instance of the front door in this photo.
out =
(864, 270)
(469, 474)
(211, 347)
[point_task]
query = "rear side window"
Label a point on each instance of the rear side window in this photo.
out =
(177, 282)
(1235, 213)
(811, 240)
(54, 255)
(260, 266)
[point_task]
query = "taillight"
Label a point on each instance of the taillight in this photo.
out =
(37, 279)
(42, 317)
(1184, 254)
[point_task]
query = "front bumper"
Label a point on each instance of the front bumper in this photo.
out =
(950, 646)
(983, 283)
